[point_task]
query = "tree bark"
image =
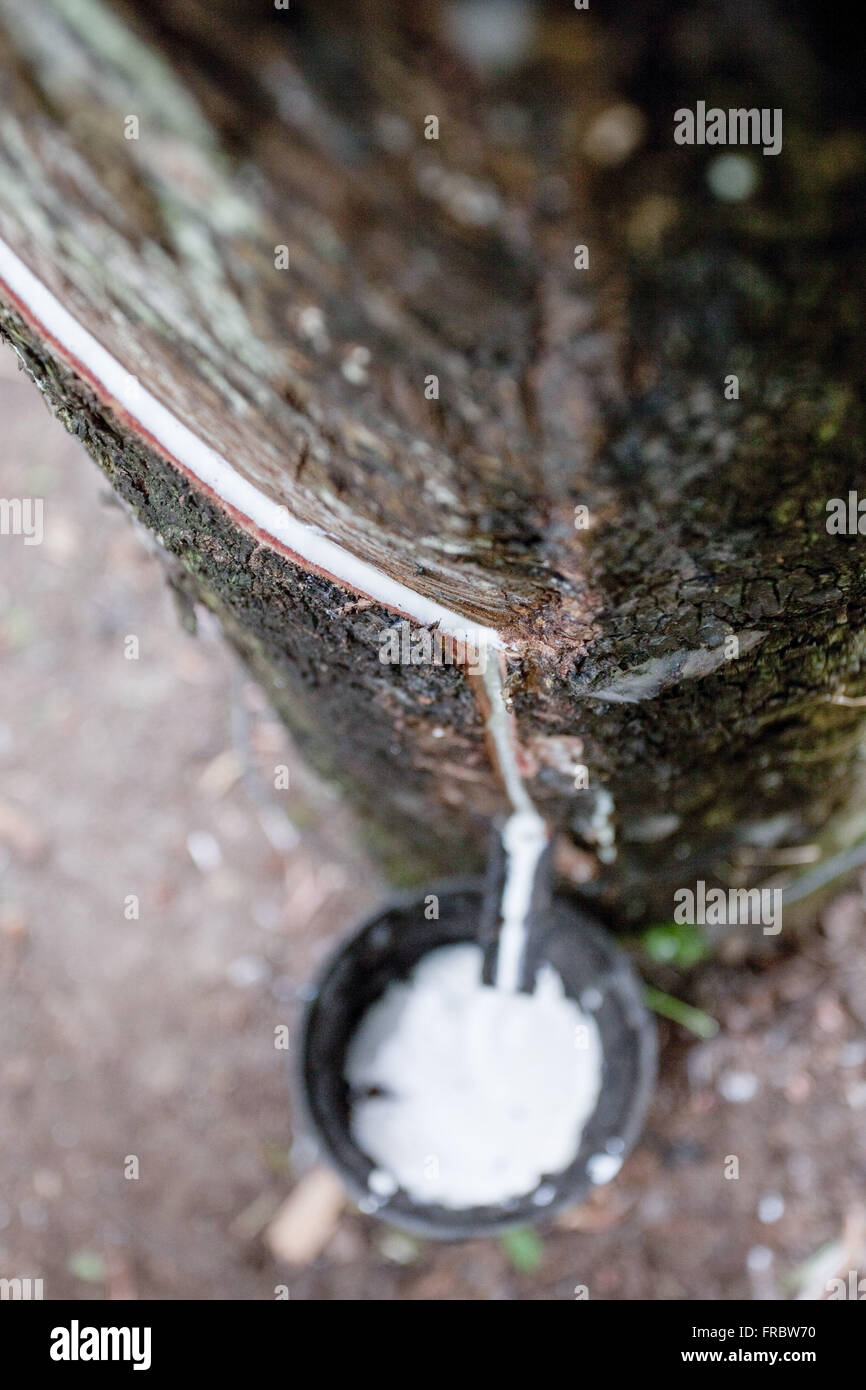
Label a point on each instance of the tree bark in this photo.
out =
(559, 388)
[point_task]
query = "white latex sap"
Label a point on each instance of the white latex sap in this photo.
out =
(478, 1092)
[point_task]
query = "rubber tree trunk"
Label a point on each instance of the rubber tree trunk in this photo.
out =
(252, 211)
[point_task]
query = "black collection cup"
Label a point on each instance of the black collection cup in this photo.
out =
(594, 972)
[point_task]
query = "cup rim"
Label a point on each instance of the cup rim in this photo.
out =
(434, 1221)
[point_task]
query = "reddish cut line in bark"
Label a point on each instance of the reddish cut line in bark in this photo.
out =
(306, 545)
(524, 834)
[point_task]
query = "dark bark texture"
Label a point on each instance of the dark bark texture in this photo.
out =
(558, 387)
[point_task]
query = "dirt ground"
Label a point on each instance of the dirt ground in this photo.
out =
(146, 1031)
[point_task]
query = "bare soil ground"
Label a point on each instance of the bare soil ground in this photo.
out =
(152, 1037)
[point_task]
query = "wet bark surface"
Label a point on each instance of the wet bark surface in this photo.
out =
(558, 387)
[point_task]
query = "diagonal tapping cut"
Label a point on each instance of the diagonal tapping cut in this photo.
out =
(304, 543)
(525, 835)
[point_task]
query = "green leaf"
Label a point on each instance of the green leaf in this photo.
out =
(675, 943)
(87, 1265)
(524, 1249)
(697, 1022)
